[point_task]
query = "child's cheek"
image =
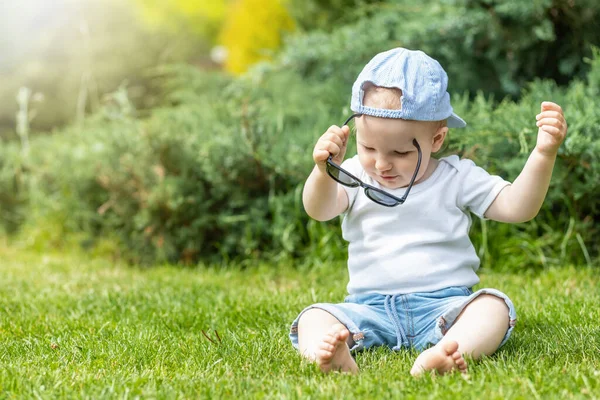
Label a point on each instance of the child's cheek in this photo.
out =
(366, 161)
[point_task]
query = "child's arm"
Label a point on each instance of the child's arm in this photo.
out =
(323, 198)
(522, 200)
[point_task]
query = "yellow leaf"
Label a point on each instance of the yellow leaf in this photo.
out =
(253, 31)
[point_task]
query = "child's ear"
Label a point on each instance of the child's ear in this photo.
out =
(438, 138)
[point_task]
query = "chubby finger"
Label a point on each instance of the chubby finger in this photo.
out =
(334, 149)
(548, 105)
(334, 138)
(550, 114)
(321, 155)
(343, 133)
(550, 121)
(552, 130)
(340, 131)
(329, 147)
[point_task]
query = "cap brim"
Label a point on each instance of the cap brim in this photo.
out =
(454, 121)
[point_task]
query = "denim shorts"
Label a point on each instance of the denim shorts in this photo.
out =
(414, 320)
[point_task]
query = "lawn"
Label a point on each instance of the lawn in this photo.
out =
(77, 328)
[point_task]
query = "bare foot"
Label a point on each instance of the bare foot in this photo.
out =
(442, 358)
(333, 353)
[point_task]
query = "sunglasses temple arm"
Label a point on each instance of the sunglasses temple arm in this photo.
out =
(412, 180)
(350, 118)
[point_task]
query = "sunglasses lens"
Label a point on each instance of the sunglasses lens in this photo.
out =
(381, 198)
(340, 176)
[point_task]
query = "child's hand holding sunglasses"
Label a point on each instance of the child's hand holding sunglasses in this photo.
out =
(332, 143)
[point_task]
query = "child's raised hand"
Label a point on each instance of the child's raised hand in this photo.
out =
(332, 142)
(552, 128)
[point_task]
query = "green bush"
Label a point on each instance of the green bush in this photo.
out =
(500, 138)
(493, 46)
(217, 172)
(206, 179)
(198, 180)
(327, 15)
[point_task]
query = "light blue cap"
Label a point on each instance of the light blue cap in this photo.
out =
(421, 79)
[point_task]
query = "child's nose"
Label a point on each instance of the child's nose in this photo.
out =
(381, 164)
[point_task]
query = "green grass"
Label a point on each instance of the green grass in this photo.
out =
(77, 328)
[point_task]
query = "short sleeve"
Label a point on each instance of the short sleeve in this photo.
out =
(353, 166)
(478, 189)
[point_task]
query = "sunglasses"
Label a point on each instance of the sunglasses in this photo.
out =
(379, 196)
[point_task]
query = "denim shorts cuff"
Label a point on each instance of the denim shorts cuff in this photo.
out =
(446, 321)
(355, 333)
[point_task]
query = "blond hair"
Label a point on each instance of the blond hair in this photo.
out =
(382, 97)
(388, 99)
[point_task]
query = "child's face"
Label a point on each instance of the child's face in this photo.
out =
(386, 150)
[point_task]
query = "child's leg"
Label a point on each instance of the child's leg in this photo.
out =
(322, 338)
(481, 326)
(479, 329)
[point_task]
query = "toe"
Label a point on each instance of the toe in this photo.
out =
(456, 356)
(450, 347)
(341, 332)
(330, 339)
(326, 346)
(416, 370)
(324, 355)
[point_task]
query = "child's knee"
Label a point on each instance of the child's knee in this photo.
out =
(493, 301)
(492, 305)
(316, 317)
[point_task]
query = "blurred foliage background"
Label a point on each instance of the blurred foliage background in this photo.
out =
(179, 131)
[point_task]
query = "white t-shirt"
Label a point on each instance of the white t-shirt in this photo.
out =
(422, 245)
